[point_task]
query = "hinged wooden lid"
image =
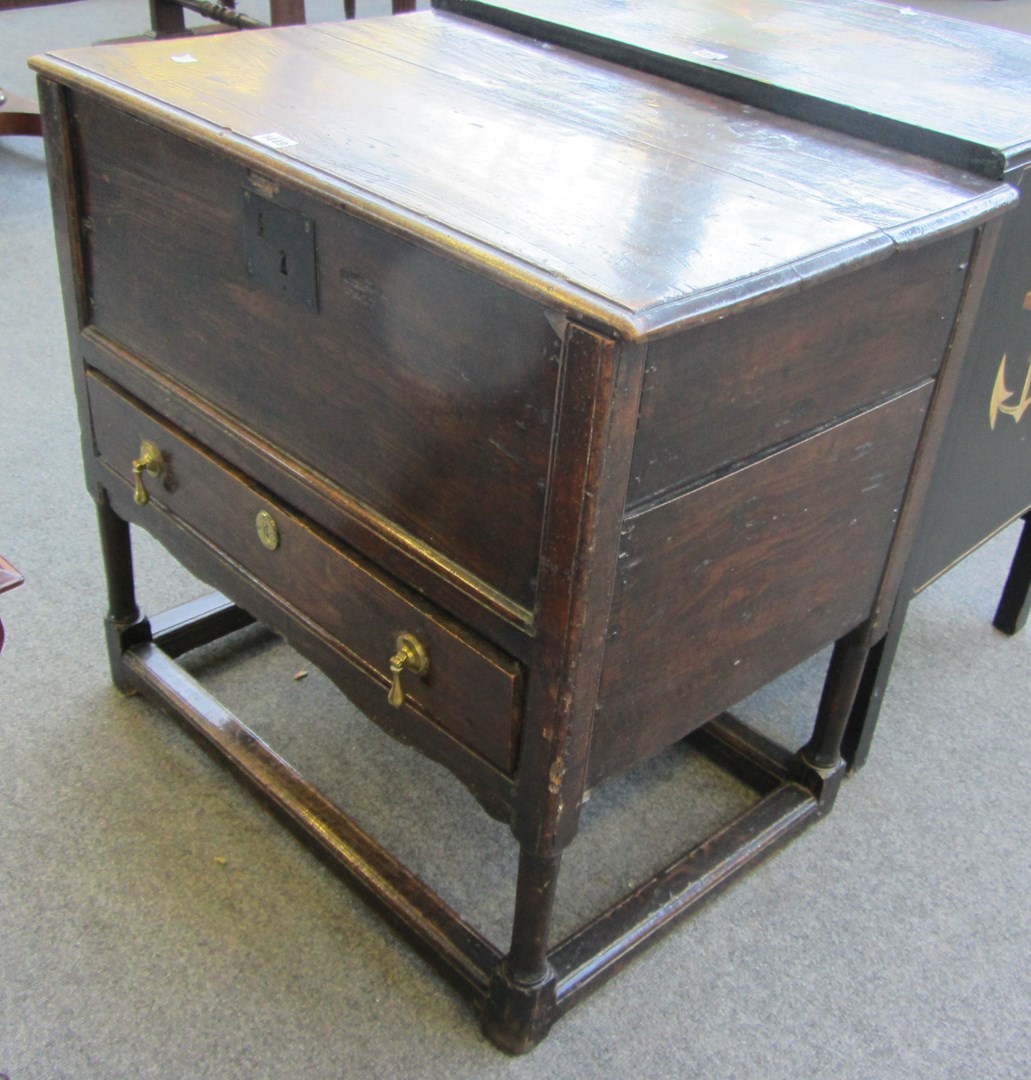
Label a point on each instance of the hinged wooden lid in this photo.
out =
(624, 199)
(955, 91)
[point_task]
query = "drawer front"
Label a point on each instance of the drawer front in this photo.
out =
(731, 585)
(422, 393)
(470, 690)
(728, 390)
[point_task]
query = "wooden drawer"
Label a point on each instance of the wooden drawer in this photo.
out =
(723, 392)
(423, 393)
(471, 690)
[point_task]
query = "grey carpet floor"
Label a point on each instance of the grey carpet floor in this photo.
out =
(156, 922)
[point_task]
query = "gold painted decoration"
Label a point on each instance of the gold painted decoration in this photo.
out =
(1000, 395)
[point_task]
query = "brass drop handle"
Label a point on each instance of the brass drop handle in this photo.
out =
(151, 462)
(410, 656)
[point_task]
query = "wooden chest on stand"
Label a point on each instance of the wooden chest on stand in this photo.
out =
(952, 91)
(549, 407)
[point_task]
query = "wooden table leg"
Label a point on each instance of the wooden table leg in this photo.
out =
(18, 115)
(848, 663)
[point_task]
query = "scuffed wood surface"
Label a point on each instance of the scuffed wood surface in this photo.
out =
(969, 83)
(613, 193)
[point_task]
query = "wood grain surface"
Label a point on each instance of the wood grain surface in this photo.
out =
(728, 586)
(597, 208)
(471, 690)
(883, 70)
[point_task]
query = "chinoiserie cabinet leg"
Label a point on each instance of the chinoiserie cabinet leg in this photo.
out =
(123, 614)
(1012, 612)
(866, 708)
(520, 1007)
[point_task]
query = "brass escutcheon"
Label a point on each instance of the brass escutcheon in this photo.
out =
(151, 462)
(268, 530)
(410, 656)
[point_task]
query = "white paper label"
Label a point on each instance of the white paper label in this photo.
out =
(275, 140)
(184, 58)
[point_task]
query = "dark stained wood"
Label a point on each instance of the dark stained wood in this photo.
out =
(309, 492)
(196, 623)
(792, 367)
(913, 517)
(754, 758)
(888, 72)
(506, 243)
(286, 12)
(866, 708)
(652, 267)
(458, 947)
(394, 398)
(18, 115)
(723, 588)
(599, 949)
(167, 17)
(411, 726)
(965, 97)
(982, 477)
(692, 124)
(594, 433)
(472, 692)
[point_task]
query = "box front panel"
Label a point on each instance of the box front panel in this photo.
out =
(418, 390)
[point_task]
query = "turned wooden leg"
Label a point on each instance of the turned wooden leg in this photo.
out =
(822, 753)
(123, 616)
(520, 1007)
(1012, 612)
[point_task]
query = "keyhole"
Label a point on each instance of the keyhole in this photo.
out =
(282, 263)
